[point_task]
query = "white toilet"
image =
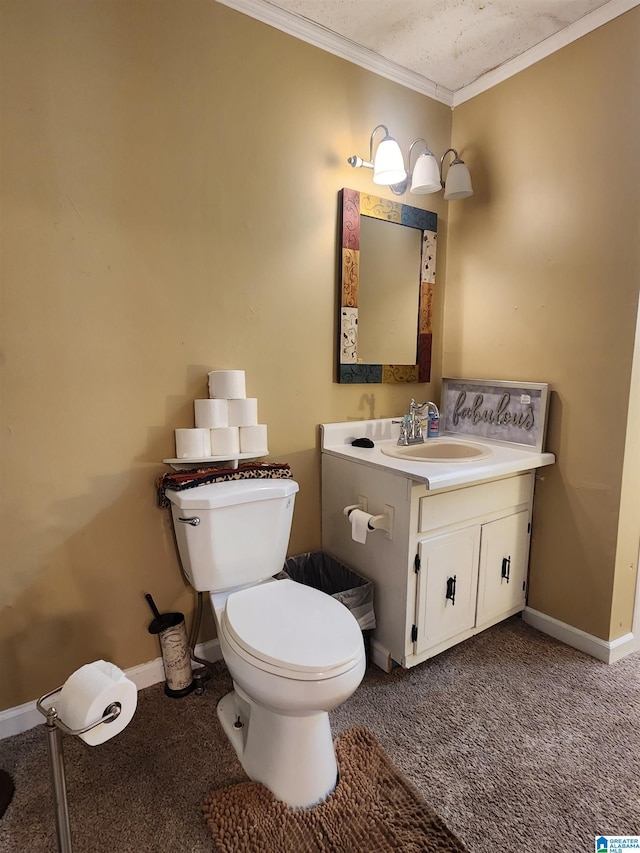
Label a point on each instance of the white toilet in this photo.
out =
(294, 653)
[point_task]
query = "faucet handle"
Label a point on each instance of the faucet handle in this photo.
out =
(403, 437)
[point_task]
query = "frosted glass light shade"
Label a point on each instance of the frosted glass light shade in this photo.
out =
(426, 175)
(458, 182)
(388, 165)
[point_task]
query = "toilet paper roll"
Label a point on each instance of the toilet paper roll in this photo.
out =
(193, 443)
(225, 441)
(253, 439)
(210, 414)
(227, 384)
(243, 413)
(86, 695)
(359, 525)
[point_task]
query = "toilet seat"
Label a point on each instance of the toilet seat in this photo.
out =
(292, 630)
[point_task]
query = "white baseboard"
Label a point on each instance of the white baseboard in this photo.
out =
(608, 651)
(379, 655)
(13, 721)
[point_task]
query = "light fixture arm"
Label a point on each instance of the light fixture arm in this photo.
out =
(458, 182)
(358, 162)
(415, 142)
(373, 133)
(452, 163)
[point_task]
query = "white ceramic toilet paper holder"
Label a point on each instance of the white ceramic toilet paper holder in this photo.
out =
(54, 726)
(376, 522)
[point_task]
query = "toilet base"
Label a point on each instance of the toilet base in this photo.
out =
(293, 756)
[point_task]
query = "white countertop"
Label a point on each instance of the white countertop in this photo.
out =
(505, 459)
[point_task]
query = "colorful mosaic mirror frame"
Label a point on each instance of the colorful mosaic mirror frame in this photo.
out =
(354, 205)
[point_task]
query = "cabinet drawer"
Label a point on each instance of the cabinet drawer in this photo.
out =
(473, 502)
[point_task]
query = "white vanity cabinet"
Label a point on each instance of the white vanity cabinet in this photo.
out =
(470, 578)
(454, 563)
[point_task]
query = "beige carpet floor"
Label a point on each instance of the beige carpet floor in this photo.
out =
(519, 743)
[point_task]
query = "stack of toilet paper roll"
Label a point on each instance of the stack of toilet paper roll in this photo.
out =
(226, 424)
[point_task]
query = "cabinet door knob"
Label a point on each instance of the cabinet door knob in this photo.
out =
(506, 567)
(451, 589)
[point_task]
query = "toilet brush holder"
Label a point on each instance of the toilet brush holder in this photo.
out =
(176, 657)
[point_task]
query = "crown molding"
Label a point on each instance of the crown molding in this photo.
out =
(581, 27)
(319, 36)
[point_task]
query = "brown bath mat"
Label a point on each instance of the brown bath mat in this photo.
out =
(374, 809)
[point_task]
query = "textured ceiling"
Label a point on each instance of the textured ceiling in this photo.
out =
(449, 42)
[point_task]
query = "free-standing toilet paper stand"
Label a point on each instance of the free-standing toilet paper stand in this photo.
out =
(54, 727)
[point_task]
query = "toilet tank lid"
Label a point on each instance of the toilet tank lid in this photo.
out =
(230, 492)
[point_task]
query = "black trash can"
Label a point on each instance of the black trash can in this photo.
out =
(323, 572)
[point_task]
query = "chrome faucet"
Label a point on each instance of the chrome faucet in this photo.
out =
(411, 424)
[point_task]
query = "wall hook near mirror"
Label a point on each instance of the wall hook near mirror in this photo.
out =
(426, 177)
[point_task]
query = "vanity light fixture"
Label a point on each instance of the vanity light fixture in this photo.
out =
(458, 183)
(388, 164)
(426, 177)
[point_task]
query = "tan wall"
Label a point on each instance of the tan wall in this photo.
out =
(170, 178)
(543, 271)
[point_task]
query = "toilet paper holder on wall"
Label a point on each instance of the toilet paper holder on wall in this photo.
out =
(384, 521)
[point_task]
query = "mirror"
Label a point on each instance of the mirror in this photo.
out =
(388, 254)
(388, 291)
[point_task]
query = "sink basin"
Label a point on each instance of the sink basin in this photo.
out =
(440, 450)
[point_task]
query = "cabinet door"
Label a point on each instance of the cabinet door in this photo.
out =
(504, 555)
(447, 586)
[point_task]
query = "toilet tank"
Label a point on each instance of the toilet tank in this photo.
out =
(233, 533)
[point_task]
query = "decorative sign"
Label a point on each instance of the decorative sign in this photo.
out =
(513, 413)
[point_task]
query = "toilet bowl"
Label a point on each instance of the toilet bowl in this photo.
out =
(294, 653)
